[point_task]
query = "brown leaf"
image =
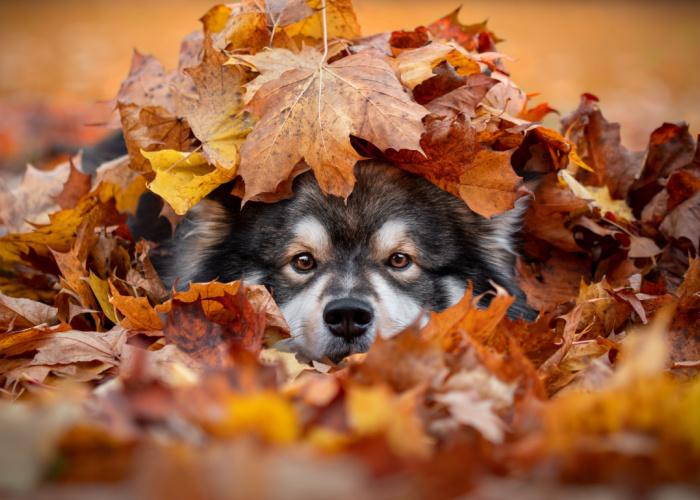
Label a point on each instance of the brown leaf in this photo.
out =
(138, 313)
(285, 12)
(209, 336)
(33, 200)
(410, 39)
(404, 361)
(61, 346)
(552, 282)
(550, 212)
(457, 163)
(75, 276)
(691, 279)
(598, 142)
(464, 99)
(671, 147)
(152, 128)
(17, 313)
(684, 221)
(310, 113)
(212, 293)
(216, 117)
(449, 28)
(681, 186)
(147, 84)
(76, 186)
(445, 80)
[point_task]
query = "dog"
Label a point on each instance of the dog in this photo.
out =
(342, 273)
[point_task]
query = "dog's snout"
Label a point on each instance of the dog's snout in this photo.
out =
(348, 317)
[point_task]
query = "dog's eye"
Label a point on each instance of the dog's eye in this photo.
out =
(399, 260)
(303, 262)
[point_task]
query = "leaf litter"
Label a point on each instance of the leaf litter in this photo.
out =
(106, 376)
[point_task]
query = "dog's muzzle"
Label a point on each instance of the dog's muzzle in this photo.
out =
(348, 318)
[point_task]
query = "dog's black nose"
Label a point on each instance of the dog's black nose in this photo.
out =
(348, 318)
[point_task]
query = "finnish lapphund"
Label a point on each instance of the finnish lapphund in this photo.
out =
(341, 273)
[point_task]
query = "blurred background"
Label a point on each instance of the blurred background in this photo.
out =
(641, 58)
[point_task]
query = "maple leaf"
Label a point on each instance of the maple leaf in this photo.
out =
(555, 206)
(457, 163)
(463, 99)
(684, 221)
(45, 349)
(341, 21)
(444, 80)
(450, 28)
(138, 313)
(148, 84)
(151, 128)
(125, 184)
(286, 12)
(34, 199)
(309, 113)
(612, 165)
(76, 186)
(215, 116)
(552, 282)
(208, 336)
(671, 147)
(18, 313)
(416, 66)
(183, 179)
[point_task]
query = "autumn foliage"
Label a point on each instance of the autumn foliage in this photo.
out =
(106, 376)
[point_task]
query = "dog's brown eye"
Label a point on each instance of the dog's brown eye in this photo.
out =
(399, 260)
(304, 262)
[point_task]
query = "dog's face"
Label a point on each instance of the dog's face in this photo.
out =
(344, 273)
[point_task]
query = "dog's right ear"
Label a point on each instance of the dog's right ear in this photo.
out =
(531, 180)
(205, 227)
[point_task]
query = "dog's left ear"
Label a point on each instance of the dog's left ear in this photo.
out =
(504, 229)
(505, 226)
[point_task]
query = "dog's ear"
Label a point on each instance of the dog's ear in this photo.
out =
(502, 241)
(206, 226)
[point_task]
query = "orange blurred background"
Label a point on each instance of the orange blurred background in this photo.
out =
(641, 58)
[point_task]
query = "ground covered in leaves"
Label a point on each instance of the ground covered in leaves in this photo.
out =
(113, 384)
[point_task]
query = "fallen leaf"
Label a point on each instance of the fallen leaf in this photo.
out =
(457, 163)
(416, 66)
(463, 99)
(316, 109)
(151, 128)
(341, 21)
(18, 313)
(183, 179)
(215, 116)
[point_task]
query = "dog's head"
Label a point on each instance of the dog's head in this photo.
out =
(343, 273)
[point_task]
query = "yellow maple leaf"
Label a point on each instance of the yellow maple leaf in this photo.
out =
(600, 197)
(183, 179)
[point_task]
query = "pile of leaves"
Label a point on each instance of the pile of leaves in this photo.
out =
(108, 377)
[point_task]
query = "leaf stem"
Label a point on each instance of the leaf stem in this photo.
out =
(325, 31)
(183, 158)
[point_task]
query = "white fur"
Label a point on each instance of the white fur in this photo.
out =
(304, 315)
(395, 311)
(310, 232)
(455, 289)
(505, 225)
(389, 237)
